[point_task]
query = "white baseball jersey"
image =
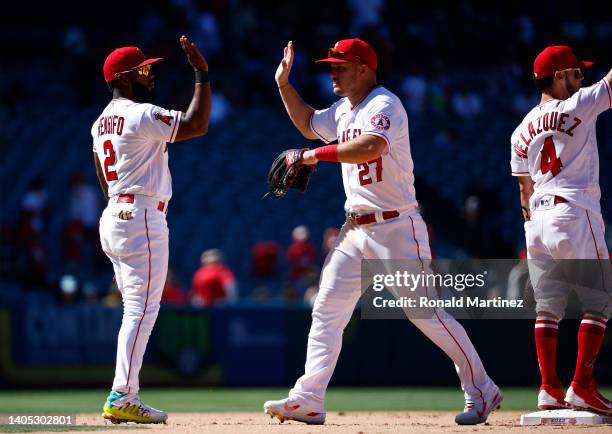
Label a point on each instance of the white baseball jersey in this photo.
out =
(130, 139)
(556, 145)
(386, 183)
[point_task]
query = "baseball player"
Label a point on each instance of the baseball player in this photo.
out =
(555, 159)
(131, 155)
(383, 222)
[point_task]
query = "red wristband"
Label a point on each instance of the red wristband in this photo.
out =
(327, 153)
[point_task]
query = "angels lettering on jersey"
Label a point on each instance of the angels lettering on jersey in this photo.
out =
(556, 145)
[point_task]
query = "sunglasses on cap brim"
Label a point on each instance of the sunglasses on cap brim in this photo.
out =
(144, 71)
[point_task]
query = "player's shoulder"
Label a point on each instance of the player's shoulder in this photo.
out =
(380, 98)
(586, 95)
(382, 94)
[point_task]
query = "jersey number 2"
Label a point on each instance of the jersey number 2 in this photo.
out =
(110, 160)
(550, 162)
(364, 170)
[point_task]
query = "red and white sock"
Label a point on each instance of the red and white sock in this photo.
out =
(590, 337)
(546, 331)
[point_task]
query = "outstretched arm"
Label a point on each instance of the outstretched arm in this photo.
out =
(526, 190)
(297, 109)
(194, 122)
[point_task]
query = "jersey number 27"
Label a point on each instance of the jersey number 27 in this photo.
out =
(110, 160)
(550, 162)
(365, 177)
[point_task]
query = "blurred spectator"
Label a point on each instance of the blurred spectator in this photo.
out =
(365, 13)
(474, 237)
(213, 282)
(518, 277)
(113, 297)
(522, 103)
(439, 90)
(89, 292)
(261, 294)
(76, 64)
(221, 107)
(32, 259)
(526, 32)
(81, 237)
(329, 240)
(265, 258)
(34, 204)
(206, 32)
(301, 255)
(173, 293)
(414, 91)
(150, 27)
(311, 295)
(445, 140)
(467, 103)
(68, 287)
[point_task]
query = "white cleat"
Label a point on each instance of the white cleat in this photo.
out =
(588, 398)
(551, 399)
(291, 409)
(477, 410)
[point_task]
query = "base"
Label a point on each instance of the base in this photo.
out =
(564, 417)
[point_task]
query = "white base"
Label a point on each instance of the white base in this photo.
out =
(564, 417)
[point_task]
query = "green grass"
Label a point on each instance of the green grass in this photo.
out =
(220, 400)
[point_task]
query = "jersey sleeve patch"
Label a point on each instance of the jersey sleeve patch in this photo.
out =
(520, 150)
(166, 119)
(380, 122)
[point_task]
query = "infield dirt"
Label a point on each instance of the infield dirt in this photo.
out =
(337, 422)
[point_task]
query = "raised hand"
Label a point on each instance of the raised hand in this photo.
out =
(284, 68)
(194, 56)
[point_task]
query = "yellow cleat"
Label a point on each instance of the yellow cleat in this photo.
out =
(129, 408)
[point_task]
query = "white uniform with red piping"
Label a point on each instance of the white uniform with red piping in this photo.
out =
(130, 140)
(556, 145)
(382, 185)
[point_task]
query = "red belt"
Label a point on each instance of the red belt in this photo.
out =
(559, 199)
(129, 198)
(366, 219)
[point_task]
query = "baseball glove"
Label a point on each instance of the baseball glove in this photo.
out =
(288, 171)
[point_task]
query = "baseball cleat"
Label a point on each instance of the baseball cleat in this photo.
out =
(290, 409)
(129, 408)
(588, 398)
(551, 398)
(477, 410)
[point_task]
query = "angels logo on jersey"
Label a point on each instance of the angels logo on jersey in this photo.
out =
(164, 118)
(380, 121)
(521, 149)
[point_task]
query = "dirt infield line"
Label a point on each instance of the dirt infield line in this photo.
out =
(337, 422)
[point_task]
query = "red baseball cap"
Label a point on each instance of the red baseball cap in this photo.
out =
(556, 58)
(125, 59)
(352, 51)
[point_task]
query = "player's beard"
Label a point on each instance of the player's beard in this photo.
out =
(570, 87)
(142, 93)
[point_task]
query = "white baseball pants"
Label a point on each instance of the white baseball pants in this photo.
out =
(138, 249)
(404, 237)
(568, 233)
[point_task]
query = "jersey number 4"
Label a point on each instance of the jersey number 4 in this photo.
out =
(110, 160)
(364, 171)
(550, 162)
